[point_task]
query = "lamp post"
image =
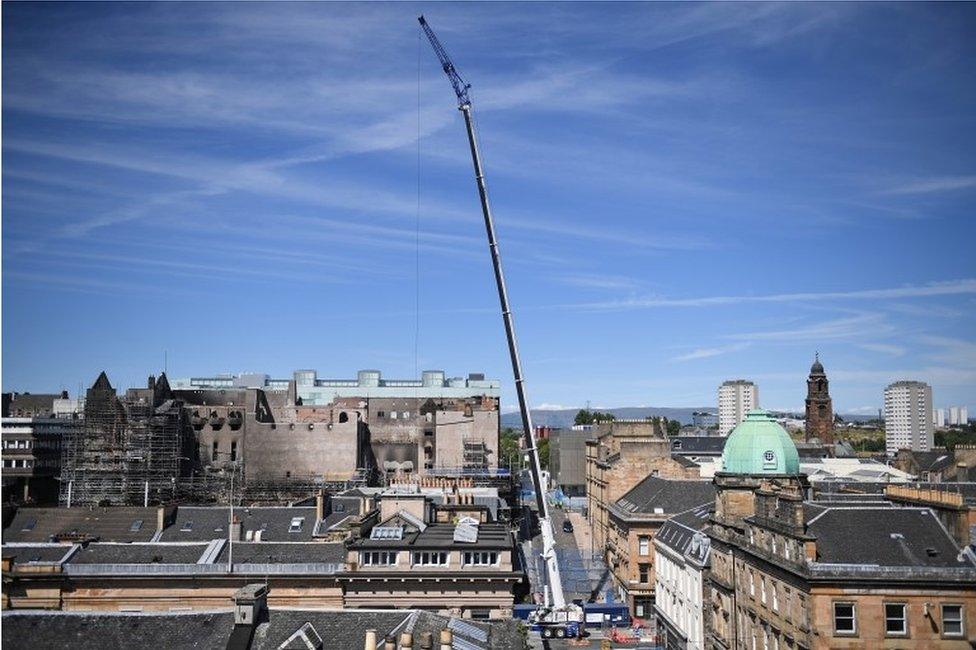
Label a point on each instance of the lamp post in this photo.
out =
(233, 464)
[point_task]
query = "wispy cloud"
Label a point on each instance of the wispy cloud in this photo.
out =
(933, 185)
(705, 353)
(946, 288)
(840, 328)
(884, 348)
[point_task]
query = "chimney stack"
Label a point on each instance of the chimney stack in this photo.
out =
(235, 529)
(320, 506)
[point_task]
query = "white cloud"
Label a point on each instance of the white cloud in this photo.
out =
(945, 288)
(705, 353)
(885, 348)
(840, 328)
(933, 185)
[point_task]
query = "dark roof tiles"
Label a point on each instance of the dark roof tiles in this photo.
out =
(114, 524)
(656, 495)
(888, 537)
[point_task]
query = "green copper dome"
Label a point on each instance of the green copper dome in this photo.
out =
(758, 445)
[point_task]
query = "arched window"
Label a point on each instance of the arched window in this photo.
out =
(343, 417)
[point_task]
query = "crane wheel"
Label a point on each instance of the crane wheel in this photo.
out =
(560, 633)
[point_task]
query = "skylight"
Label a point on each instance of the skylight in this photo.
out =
(386, 532)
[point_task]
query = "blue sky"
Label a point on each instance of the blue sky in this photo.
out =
(685, 193)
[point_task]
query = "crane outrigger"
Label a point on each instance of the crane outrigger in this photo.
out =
(556, 617)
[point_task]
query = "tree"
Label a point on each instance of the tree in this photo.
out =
(543, 447)
(509, 448)
(583, 416)
(674, 427)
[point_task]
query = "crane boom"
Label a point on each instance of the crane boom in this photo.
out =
(545, 523)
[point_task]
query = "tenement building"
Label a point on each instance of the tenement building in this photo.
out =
(411, 547)
(620, 455)
(681, 551)
(819, 408)
(787, 572)
(634, 521)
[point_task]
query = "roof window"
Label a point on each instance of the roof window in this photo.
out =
(297, 523)
(187, 526)
(136, 526)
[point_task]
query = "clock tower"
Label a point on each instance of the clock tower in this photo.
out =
(820, 410)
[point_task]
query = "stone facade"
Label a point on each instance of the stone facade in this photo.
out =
(620, 456)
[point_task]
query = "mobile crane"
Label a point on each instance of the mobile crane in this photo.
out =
(556, 617)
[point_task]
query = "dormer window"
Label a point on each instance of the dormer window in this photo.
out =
(297, 523)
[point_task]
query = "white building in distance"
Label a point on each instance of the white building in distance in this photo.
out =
(958, 415)
(736, 397)
(938, 418)
(908, 416)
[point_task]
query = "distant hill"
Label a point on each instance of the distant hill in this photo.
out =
(562, 418)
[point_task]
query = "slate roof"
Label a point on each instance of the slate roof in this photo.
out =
(210, 522)
(678, 532)
(887, 537)
(684, 461)
(36, 552)
(668, 495)
(99, 553)
(339, 630)
(284, 553)
(32, 404)
(698, 445)
(933, 461)
(86, 631)
(491, 536)
(111, 524)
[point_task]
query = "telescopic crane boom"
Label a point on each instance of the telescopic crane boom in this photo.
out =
(560, 617)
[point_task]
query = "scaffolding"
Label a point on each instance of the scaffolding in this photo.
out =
(215, 488)
(130, 450)
(474, 453)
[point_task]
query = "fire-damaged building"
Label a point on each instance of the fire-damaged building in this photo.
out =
(192, 440)
(429, 425)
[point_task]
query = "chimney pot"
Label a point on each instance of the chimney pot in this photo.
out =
(370, 640)
(447, 639)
